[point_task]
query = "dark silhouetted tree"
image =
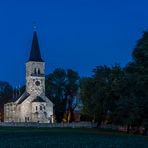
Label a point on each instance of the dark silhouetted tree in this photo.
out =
(6, 93)
(59, 85)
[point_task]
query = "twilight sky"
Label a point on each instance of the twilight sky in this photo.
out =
(77, 34)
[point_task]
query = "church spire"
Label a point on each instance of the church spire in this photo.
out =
(35, 54)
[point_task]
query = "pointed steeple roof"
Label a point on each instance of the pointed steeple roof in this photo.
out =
(35, 54)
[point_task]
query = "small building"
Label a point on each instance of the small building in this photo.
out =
(33, 105)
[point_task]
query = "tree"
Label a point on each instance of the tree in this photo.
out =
(133, 102)
(72, 82)
(121, 91)
(140, 53)
(6, 93)
(95, 93)
(140, 68)
(87, 89)
(59, 85)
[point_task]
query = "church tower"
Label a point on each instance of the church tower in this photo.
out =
(35, 70)
(32, 105)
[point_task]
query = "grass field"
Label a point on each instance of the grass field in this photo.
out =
(68, 138)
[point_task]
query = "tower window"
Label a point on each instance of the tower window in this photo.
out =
(39, 71)
(26, 119)
(35, 71)
(40, 107)
(36, 108)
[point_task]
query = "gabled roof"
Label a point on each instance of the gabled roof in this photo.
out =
(38, 99)
(35, 54)
(23, 97)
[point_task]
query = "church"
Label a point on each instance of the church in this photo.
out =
(32, 105)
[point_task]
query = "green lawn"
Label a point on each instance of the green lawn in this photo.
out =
(68, 138)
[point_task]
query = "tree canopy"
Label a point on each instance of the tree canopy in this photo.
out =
(6, 93)
(59, 85)
(119, 94)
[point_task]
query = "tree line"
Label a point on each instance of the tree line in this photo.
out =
(119, 95)
(113, 94)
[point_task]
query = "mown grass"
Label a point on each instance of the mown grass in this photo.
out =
(68, 138)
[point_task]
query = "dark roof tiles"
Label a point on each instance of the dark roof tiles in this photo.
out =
(38, 99)
(23, 97)
(35, 54)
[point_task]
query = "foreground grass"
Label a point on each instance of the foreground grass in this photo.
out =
(68, 138)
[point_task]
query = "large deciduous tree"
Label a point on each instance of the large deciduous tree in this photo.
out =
(59, 85)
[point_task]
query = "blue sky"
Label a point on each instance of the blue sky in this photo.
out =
(77, 34)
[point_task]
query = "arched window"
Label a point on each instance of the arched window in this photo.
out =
(39, 71)
(34, 70)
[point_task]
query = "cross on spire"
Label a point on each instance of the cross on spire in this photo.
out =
(34, 26)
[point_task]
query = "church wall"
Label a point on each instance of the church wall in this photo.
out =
(49, 106)
(10, 112)
(28, 108)
(31, 86)
(25, 111)
(39, 112)
(30, 67)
